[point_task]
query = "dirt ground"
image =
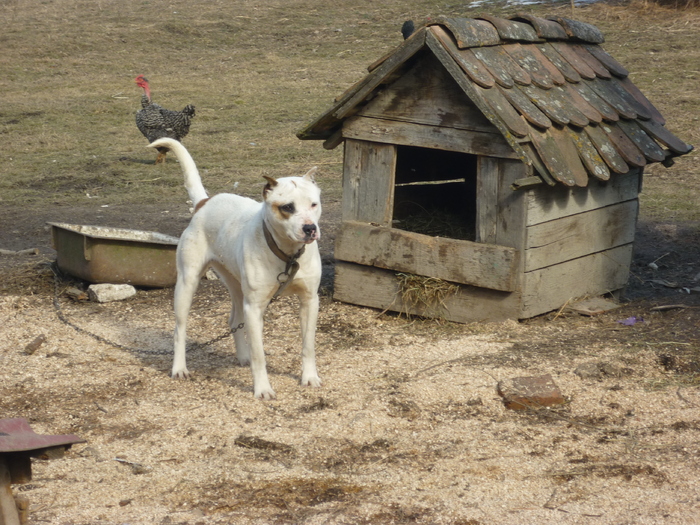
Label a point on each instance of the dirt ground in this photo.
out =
(407, 428)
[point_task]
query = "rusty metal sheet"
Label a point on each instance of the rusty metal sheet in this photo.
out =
(17, 436)
(590, 157)
(651, 150)
(594, 100)
(469, 32)
(525, 107)
(580, 65)
(607, 150)
(605, 90)
(570, 154)
(504, 69)
(506, 113)
(600, 70)
(608, 61)
(633, 90)
(545, 28)
(527, 60)
(664, 136)
(580, 30)
(566, 69)
(591, 113)
(471, 65)
(512, 30)
(552, 157)
(624, 146)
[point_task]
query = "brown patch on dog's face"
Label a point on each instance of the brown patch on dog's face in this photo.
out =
(271, 183)
(284, 211)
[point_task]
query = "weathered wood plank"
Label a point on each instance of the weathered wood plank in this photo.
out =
(512, 205)
(473, 93)
(484, 265)
(426, 94)
(487, 182)
(552, 287)
(409, 48)
(368, 182)
(378, 288)
(568, 238)
(548, 204)
(410, 134)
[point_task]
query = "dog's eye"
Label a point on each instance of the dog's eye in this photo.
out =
(287, 208)
(314, 205)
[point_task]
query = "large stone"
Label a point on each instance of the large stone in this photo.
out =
(105, 293)
(523, 393)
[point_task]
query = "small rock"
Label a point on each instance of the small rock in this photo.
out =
(35, 344)
(76, 294)
(599, 369)
(589, 371)
(521, 393)
(105, 293)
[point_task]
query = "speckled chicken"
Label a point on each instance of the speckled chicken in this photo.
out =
(156, 122)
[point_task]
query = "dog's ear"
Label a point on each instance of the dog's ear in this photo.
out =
(271, 183)
(311, 174)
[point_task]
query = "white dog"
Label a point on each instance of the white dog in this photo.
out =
(259, 250)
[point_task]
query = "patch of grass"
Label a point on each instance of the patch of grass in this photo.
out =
(257, 74)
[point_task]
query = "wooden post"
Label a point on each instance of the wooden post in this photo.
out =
(8, 507)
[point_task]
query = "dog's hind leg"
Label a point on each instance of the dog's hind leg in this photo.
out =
(184, 292)
(190, 266)
(309, 316)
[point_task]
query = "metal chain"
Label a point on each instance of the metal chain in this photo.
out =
(65, 320)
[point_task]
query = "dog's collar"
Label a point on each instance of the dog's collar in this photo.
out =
(291, 265)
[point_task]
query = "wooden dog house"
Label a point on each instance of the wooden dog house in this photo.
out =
(521, 138)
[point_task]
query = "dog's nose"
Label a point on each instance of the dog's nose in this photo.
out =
(309, 230)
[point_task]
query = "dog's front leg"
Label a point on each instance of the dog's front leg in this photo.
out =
(253, 313)
(309, 317)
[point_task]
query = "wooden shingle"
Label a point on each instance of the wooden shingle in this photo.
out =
(565, 105)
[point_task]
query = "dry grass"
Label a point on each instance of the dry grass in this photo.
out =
(425, 293)
(256, 73)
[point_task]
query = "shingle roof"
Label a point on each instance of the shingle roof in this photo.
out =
(565, 105)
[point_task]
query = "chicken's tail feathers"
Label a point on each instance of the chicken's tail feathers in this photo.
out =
(193, 182)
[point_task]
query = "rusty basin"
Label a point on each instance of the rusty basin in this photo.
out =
(100, 254)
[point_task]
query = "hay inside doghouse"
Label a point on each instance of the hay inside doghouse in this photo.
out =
(423, 294)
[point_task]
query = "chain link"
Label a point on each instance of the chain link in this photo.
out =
(65, 320)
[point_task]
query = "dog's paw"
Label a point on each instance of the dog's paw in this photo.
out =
(181, 373)
(313, 381)
(265, 393)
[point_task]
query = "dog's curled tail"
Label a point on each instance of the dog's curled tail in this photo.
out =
(193, 182)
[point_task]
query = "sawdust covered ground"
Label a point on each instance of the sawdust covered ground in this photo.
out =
(408, 427)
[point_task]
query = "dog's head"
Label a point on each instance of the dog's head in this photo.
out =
(293, 206)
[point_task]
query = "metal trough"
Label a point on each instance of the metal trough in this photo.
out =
(99, 254)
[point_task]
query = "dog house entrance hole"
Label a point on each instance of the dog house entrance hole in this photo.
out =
(435, 192)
